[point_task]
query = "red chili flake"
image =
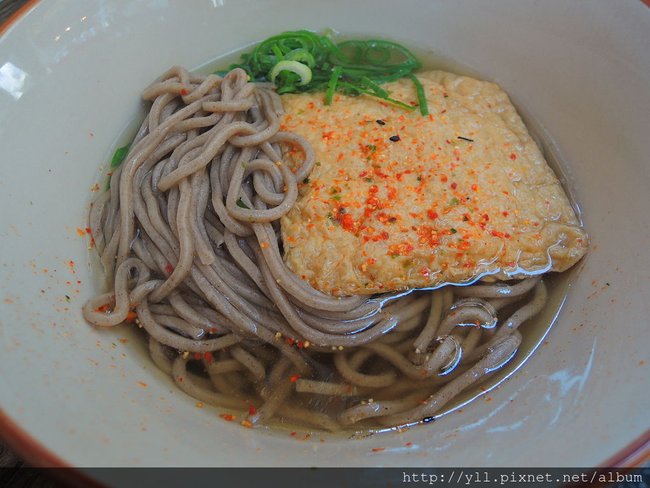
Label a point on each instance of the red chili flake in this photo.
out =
(169, 268)
(251, 409)
(347, 222)
(513, 156)
(183, 91)
(485, 217)
(454, 186)
(197, 355)
(432, 215)
(505, 213)
(408, 444)
(213, 330)
(475, 187)
(496, 233)
(372, 204)
(293, 434)
(428, 235)
(424, 271)
(378, 449)
(294, 378)
(380, 174)
(227, 416)
(402, 249)
(289, 341)
(208, 356)
(443, 178)
(373, 189)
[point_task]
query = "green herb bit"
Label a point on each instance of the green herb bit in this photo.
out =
(241, 204)
(331, 85)
(422, 99)
(119, 155)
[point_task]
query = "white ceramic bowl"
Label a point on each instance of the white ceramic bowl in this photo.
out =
(70, 77)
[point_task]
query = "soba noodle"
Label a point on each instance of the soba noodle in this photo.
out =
(189, 238)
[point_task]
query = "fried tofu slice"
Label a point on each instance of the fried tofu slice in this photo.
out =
(398, 200)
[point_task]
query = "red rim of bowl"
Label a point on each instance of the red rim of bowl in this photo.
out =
(37, 455)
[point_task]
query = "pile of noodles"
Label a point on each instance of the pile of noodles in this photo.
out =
(189, 237)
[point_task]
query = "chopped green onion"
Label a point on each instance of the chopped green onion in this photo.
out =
(379, 91)
(360, 90)
(119, 155)
(296, 67)
(278, 54)
(302, 56)
(422, 99)
(241, 204)
(300, 61)
(331, 85)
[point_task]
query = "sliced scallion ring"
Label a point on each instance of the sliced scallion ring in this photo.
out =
(302, 56)
(293, 66)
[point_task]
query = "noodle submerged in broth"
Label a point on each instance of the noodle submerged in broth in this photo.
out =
(189, 238)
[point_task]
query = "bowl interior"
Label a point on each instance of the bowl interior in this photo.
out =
(70, 78)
